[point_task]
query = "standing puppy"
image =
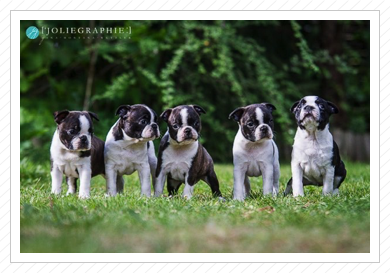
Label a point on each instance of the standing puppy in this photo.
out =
(181, 157)
(315, 156)
(129, 148)
(75, 152)
(254, 151)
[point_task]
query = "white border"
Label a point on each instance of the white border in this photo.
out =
(16, 256)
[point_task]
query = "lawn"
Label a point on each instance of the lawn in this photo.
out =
(128, 223)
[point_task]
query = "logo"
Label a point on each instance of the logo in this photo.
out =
(32, 32)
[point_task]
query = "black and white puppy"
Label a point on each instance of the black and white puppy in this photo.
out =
(75, 152)
(254, 151)
(129, 148)
(181, 157)
(315, 156)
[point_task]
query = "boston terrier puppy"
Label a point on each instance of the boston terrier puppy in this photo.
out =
(181, 157)
(315, 156)
(75, 152)
(254, 151)
(129, 148)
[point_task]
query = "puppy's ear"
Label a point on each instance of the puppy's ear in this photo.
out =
(122, 111)
(199, 109)
(165, 115)
(293, 108)
(237, 114)
(269, 106)
(93, 115)
(332, 108)
(59, 116)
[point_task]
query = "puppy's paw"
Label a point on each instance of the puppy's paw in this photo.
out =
(109, 194)
(84, 196)
(221, 199)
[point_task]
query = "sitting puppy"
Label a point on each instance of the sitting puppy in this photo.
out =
(254, 151)
(315, 156)
(75, 152)
(181, 157)
(129, 148)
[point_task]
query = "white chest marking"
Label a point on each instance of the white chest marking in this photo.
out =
(313, 153)
(66, 161)
(124, 156)
(176, 161)
(250, 156)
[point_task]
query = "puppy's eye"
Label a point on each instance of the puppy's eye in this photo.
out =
(249, 124)
(71, 131)
(143, 122)
(90, 131)
(196, 123)
(175, 126)
(321, 106)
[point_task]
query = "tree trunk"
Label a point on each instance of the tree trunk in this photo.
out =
(91, 70)
(333, 89)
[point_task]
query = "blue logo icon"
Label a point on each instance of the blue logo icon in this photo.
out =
(32, 32)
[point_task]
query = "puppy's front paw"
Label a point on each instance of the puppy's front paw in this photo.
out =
(186, 196)
(221, 199)
(84, 196)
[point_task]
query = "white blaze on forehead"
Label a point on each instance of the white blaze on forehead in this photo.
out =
(310, 100)
(259, 115)
(84, 124)
(184, 115)
(151, 114)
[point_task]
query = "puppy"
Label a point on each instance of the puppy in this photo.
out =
(254, 151)
(181, 157)
(129, 148)
(315, 156)
(75, 152)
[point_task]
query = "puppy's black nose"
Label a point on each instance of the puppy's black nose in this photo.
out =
(154, 126)
(263, 129)
(83, 139)
(187, 130)
(308, 108)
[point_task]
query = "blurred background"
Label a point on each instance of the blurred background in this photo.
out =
(219, 65)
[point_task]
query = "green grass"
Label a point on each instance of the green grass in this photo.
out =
(128, 223)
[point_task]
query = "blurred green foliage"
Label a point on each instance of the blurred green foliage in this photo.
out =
(219, 65)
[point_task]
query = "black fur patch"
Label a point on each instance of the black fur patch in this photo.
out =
(133, 120)
(247, 117)
(69, 127)
(174, 119)
(327, 108)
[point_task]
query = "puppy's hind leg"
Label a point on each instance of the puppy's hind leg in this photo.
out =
(72, 185)
(288, 189)
(275, 188)
(173, 186)
(213, 182)
(119, 183)
(152, 159)
(247, 185)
